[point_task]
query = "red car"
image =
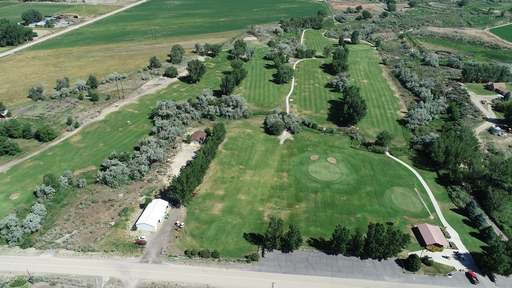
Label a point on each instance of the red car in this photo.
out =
(472, 277)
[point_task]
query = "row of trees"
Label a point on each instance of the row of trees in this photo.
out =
(63, 89)
(233, 78)
(12, 34)
(485, 72)
(276, 238)
(381, 241)
(181, 190)
(17, 129)
(300, 23)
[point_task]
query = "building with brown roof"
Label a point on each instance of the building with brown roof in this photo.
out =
(199, 136)
(431, 236)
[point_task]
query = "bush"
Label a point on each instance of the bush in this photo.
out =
(427, 260)
(205, 253)
(412, 263)
(31, 16)
(253, 257)
(274, 124)
(36, 93)
(215, 254)
(92, 82)
(44, 191)
(458, 196)
(154, 63)
(171, 72)
(45, 134)
(8, 147)
(113, 173)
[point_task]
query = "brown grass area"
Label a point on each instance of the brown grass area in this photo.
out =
(32, 67)
(342, 5)
(482, 35)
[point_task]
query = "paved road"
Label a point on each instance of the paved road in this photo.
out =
(131, 270)
(67, 30)
(468, 261)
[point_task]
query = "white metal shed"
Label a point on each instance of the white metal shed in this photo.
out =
(152, 216)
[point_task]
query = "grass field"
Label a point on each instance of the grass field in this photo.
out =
(504, 32)
(477, 52)
(243, 189)
(125, 41)
(118, 132)
(314, 39)
(258, 88)
(12, 10)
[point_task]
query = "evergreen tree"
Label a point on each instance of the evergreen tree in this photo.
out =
(273, 234)
(353, 107)
(354, 38)
(340, 239)
(291, 240)
(92, 82)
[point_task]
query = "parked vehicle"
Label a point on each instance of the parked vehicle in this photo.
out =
(141, 240)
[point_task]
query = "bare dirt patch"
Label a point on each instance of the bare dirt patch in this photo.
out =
(285, 136)
(217, 208)
(314, 157)
(331, 160)
(14, 196)
(342, 5)
(84, 170)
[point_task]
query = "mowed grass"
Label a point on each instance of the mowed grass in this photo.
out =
(383, 105)
(120, 131)
(12, 10)
(504, 32)
(258, 88)
(241, 190)
(314, 39)
(125, 41)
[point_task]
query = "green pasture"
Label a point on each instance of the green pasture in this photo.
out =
(504, 32)
(120, 131)
(296, 182)
(476, 51)
(12, 10)
(159, 19)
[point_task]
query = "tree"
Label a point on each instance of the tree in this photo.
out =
(354, 37)
(8, 147)
(31, 16)
(227, 84)
(94, 96)
(61, 83)
(274, 125)
(384, 138)
(340, 60)
(196, 69)
(498, 258)
(366, 14)
(239, 49)
(92, 82)
(412, 263)
(176, 54)
(45, 134)
(273, 234)
(12, 34)
(391, 5)
(171, 72)
(327, 51)
(356, 244)
(340, 240)
(284, 74)
(508, 113)
(291, 240)
(353, 107)
(36, 93)
(154, 63)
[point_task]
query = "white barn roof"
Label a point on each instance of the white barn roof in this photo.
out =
(152, 215)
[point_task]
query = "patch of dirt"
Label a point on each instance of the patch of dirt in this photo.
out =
(250, 38)
(84, 170)
(217, 208)
(482, 35)
(14, 196)
(314, 157)
(331, 160)
(342, 5)
(285, 136)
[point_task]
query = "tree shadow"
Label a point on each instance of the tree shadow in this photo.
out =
(327, 68)
(257, 239)
(321, 244)
(334, 113)
(186, 79)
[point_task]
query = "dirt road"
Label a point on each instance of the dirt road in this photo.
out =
(67, 30)
(287, 99)
(129, 270)
(489, 115)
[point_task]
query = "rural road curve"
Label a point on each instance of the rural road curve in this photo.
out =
(129, 270)
(69, 29)
(454, 236)
(150, 87)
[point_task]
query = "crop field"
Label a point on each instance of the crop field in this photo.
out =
(504, 32)
(258, 88)
(12, 10)
(118, 132)
(315, 181)
(476, 51)
(125, 41)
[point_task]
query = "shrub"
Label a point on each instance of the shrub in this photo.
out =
(154, 63)
(274, 124)
(384, 139)
(427, 260)
(253, 257)
(215, 254)
(458, 196)
(31, 16)
(113, 173)
(44, 191)
(36, 93)
(171, 72)
(412, 263)
(45, 134)
(205, 253)
(92, 82)
(8, 147)
(176, 54)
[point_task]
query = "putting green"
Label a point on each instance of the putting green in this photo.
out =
(325, 171)
(404, 198)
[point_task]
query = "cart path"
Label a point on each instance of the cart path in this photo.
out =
(67, 30)
(130, 271)
(454, 236)
(149, 87)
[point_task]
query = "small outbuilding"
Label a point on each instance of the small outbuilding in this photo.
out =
(500, 88)
(199, 136)
(431, 236)
(153, 215)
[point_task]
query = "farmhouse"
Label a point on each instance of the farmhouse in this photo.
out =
(199, 136)
(431, 236)
(152, 216)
